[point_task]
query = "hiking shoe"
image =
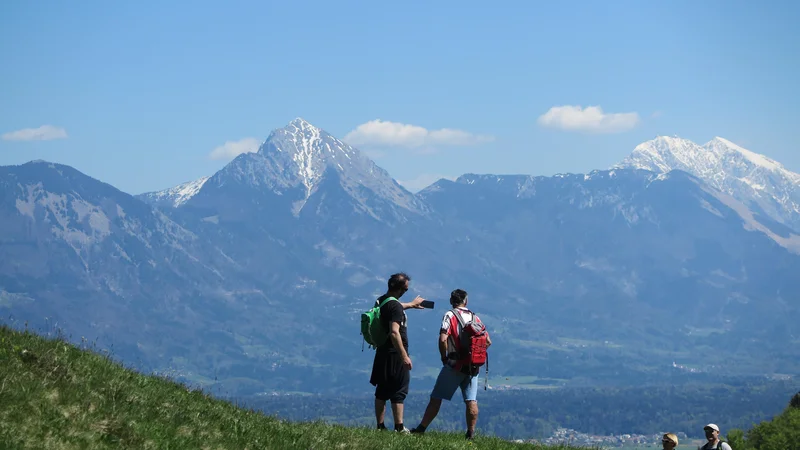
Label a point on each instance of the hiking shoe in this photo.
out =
(404, 431)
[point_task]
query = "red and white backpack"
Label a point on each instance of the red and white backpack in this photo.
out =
(470, 340)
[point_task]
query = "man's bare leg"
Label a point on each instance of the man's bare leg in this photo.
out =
(472, 417)
(397, 413)
(431, 411)
(380, 410)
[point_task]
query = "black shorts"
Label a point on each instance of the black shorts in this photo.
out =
(389, 376)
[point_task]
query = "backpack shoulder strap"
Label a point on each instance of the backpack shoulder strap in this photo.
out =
(461, 319)
(458, 317)
(385, 301)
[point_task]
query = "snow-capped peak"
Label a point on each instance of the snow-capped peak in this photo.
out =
(301, 123)
(669, 153)
(752, 178)
(178, 195)
(661, 154)
(312, 151)
(300, 155)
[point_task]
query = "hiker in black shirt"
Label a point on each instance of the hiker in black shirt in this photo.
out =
(392, 364)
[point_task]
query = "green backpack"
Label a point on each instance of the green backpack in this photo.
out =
(372, 330)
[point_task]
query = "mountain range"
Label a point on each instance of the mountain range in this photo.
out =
(680, 261)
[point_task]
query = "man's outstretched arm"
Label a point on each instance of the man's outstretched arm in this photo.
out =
(414, 304)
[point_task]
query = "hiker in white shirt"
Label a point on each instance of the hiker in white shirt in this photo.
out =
(453, 375)
(712, 435)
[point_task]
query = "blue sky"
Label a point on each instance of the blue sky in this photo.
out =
(140, 94)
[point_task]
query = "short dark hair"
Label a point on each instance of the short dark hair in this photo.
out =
(458, 297)
(397, 281)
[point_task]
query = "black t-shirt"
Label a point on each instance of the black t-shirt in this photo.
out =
(393, 311)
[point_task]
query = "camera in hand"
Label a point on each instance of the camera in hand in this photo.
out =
(427, 304)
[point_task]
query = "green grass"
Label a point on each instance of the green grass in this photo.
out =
(57, 396)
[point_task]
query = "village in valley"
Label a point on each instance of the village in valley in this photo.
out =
(627, 441)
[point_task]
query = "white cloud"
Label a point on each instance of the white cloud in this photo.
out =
(43, 133)
(232, 149)
(592, 119)
(422, 181)
(382, 134)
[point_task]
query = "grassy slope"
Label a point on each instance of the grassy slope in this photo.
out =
(56, 396)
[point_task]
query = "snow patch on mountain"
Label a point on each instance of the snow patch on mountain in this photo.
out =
(755, 158)
(178, 195)
(306, 139)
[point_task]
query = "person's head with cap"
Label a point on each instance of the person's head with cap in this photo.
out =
(712, 432)
(669, 441)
